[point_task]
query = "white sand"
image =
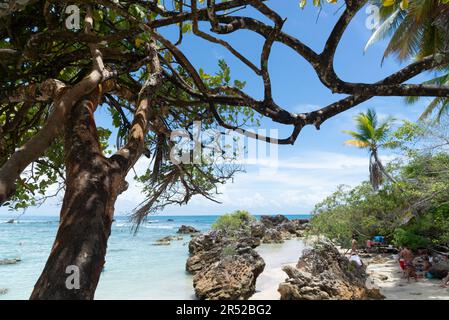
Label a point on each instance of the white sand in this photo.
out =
(386, 275)
(276, 256)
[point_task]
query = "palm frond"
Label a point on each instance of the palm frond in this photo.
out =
(357, 143)
(384, 30)
(436, 103)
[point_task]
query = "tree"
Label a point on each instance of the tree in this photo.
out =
(372, 135)
(415, 214)
(416, 29)
(53, 80)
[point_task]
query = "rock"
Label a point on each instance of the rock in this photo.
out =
(251, 242)
(203, 259)
(162, 243)
(273, 221)
(300, 222)
(206, 241)
(10, 221)
(187, 230)
(257, 229)
(3, 291)
(301, 226)
(323, 273)
(206, 249)
(167, 240)
(225, 266)
(440, 270)
(170, 238)
(273, 236)
(288, 227)
(279, 223)
(9, 261)
(231, 278)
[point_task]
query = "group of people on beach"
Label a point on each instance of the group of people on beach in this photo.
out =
(419, 266)
(413, 267)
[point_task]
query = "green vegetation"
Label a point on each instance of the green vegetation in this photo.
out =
(414, 211)
(233, 222)
(416, 29)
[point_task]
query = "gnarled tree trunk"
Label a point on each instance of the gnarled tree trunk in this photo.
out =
(93, 183)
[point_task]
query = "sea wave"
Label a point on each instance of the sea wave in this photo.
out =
(158, 227)
(29, 222)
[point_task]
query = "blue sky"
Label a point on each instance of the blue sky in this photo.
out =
(319, 161)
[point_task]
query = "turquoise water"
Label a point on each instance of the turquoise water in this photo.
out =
(135, 268)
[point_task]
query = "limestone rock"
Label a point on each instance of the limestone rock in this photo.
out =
(187, 230)
(231, 278)
(323, 273)
(273, 236)
(273, 221)
(9, 261)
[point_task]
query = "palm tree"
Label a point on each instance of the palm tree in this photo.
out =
(372, 135)
(416, 29)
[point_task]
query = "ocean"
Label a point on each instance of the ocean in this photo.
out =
(134, 269)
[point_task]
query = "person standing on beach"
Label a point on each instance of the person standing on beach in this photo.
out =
(410, 271)
(354, 244)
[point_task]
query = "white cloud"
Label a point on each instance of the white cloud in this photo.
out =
(297, 184)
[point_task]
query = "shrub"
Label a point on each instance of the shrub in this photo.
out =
(232, 222)
(409, 239)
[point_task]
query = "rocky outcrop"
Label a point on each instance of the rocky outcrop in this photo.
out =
(208, 248)
(225, 264)
(273, 221)
(165, 241)
(231, 278)
(205, 249)
(279, 228)
(257, 229)
(170, 238)
(9, 261)
(273, 236)
(187, 230)
(323, 273)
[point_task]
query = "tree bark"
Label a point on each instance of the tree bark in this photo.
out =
(93, 183)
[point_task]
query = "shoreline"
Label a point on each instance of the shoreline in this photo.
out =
(276, 256)
(385, 274)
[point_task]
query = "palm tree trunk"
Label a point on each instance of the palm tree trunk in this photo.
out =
(382, 169)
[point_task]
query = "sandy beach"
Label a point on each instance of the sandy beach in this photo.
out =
(384, 273)
(276, 256)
